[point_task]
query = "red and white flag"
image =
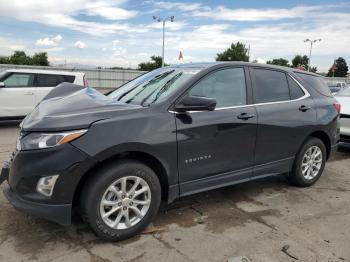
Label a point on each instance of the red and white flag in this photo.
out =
(181, 57)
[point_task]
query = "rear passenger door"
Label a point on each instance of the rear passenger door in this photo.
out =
(285, 115)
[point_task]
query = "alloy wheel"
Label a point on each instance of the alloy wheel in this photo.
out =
(312, 162)
(125, 202)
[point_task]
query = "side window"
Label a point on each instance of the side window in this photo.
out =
(44, 80)
(19, 80)
(69, 79)
(227, 86)
(295, 90)
(270, 86)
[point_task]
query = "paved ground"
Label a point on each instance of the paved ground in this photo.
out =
(253, 220)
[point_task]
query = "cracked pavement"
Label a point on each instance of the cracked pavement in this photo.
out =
(254, 221)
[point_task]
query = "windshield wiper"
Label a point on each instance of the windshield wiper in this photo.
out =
(164, 88)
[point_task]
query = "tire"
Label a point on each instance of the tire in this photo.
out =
(297, 177)
(102, 187)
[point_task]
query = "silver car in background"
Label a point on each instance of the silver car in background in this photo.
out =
(343, 98)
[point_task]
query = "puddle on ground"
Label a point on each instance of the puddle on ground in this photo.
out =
(219, 209)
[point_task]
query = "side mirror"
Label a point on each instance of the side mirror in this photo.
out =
(2, 84)
(196, 103)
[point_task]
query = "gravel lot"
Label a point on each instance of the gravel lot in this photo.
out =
(254, 220)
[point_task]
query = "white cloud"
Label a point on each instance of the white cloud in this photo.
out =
(119, 51)
(110, 12)
(49, 41)
(63, 13)
(7, 46)
(80, 45)
(177, 5)
(115, 42)
(175, 26)
(251, 14)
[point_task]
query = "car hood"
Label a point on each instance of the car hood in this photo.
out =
(76, 110)
(345, 104)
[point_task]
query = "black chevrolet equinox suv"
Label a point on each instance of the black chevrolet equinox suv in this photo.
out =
(169, 133)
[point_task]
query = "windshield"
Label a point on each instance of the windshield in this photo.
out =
(153, 87)
(344, 92)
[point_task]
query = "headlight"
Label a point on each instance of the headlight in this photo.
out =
(41, 140)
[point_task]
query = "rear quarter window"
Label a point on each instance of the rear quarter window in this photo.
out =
(69, 79)
(317, 83)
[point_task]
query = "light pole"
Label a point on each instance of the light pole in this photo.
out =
(163, 20)
(311, 43)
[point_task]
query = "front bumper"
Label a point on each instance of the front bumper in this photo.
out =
(60, 214)
(27, 167)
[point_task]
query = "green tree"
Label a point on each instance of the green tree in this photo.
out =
(279, 61)
(340, 68)
(40, 59)
(4, 60)
(21, 58)
(299, 60)
(156, 62)
(303, 61)
(236, 52)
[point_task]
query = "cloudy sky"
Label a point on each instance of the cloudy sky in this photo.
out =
(123, 33)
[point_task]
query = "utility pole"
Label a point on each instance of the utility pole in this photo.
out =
(163, 20)
(311, 43)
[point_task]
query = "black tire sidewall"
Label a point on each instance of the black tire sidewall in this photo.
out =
(96, 187)
(297, 176)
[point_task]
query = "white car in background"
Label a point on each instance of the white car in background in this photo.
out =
(335, 88)
(343, 98)
(22, 89)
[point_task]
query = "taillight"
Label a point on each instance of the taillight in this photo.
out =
(337, 107)
(86, 84)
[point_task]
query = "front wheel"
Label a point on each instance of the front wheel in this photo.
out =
(309, 163)
(121, 200)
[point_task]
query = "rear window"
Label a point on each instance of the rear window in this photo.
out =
(69, 79)
(46, 80)
(317, 83)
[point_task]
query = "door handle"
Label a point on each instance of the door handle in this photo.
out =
(245, 116)
(304, 108)
(28, 93)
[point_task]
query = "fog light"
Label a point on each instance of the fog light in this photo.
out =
(46, 184)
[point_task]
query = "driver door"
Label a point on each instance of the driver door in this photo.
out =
(216, 148)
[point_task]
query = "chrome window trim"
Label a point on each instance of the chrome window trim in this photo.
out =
(306, 95)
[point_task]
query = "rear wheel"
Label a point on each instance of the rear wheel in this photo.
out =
(121, 200)
(309, 163)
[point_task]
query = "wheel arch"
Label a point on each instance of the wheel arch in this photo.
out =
(324, 137)
(146, 158)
